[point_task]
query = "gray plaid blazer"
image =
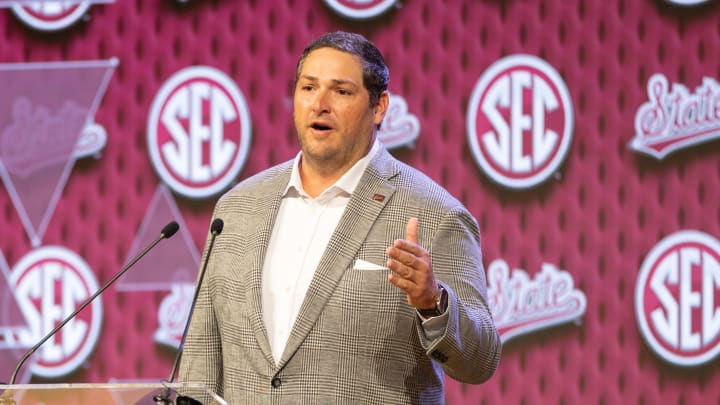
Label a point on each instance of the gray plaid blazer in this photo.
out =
(356, 339)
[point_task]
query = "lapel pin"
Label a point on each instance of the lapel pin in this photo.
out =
(378, 197)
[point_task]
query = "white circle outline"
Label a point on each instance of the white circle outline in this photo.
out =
(363, 14)
(210, 73)
(79, 264)
(687, 3)
(56, 25)
(659, 249)
(480, 87)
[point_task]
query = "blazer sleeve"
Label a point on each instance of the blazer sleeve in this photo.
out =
(469, 349)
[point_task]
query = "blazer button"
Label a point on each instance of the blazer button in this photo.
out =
(276, 382)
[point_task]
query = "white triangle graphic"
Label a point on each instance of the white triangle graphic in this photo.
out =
(172, 261)
(44, 110)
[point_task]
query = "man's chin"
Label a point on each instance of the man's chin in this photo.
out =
(320, 157)
(319, 151)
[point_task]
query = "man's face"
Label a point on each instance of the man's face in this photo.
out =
(332, 112)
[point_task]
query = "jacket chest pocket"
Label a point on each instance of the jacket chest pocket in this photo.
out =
(366, 302)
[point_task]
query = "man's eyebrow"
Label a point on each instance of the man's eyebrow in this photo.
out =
(335, 82)
(309, 78)
(338, 82)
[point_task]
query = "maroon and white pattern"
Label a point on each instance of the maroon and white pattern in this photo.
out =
(596, 217)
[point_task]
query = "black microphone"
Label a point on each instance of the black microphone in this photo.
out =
(215, 229)
(167, 231)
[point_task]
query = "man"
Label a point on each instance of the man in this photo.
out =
(343, 276)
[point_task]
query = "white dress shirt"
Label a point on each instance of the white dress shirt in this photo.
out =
(302, 230)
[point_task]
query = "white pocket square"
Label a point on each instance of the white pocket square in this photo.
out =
(361, 264)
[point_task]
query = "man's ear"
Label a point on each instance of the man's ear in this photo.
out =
(381, 107)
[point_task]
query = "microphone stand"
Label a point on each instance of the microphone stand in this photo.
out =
(164, 397)
(167, 231)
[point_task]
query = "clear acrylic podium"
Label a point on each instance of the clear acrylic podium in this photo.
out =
(120, 394)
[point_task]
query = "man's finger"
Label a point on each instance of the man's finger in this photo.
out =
(411, 230)
(400, 254)
(402, 283)
(400, 269)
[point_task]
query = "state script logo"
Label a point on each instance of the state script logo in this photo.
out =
(400, 127)
(198, 132)
(173, 314)
(674, 119)
(520, 121)
(676, 298)
(521, 305)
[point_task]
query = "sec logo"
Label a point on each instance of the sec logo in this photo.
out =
(687, 2)
(198, 132)
(50, 15)
(360, 9)
(520, 121)
(50, 283)
(676, 298)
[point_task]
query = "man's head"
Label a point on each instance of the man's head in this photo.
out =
(376, 75)
(339, 100)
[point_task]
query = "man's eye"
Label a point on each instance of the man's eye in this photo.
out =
(344, 92)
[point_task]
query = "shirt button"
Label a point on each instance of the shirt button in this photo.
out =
(276, 383)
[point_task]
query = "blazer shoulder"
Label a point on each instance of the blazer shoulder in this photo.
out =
(261, 183)
(420, 187)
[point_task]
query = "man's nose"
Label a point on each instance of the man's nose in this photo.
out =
(321, 102)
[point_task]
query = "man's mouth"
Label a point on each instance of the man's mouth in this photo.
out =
(320, 126)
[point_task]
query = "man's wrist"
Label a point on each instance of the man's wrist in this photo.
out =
(441, 300)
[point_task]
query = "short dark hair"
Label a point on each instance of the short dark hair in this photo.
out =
(376, 75)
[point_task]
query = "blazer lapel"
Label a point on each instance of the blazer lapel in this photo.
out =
(265, 220)
(369, 198)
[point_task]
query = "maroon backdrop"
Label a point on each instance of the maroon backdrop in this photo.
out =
(597, 218)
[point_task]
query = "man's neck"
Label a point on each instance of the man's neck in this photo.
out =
(315, 179)
(318, 176)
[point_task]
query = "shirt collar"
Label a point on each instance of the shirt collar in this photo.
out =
(345, 184)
